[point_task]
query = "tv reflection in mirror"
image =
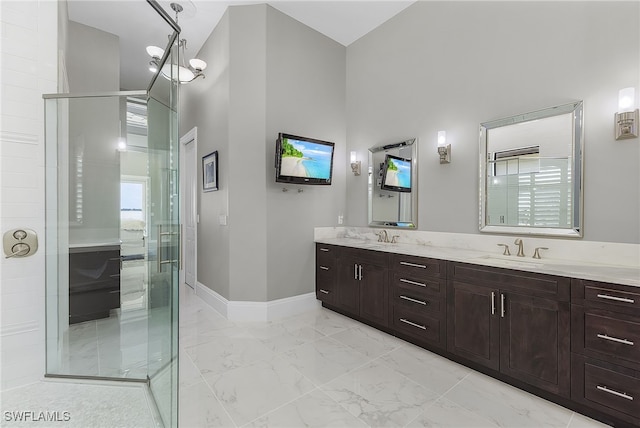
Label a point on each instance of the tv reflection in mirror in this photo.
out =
(303, 160)
(396, 174)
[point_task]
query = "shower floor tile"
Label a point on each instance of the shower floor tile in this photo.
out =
(77, 404)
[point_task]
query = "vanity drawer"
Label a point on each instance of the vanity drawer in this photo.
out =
(420, 327)
(610, 334)
(416, 302)
(417, 284)
(606, 387)
(417, 266)
(326, 255)
(613, 297)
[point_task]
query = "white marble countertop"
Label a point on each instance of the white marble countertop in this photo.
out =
(626, 275)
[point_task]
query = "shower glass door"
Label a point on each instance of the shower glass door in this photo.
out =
(164, 245)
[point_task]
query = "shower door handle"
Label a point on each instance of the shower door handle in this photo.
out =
(160, 235)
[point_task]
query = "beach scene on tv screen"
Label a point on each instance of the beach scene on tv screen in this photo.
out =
(398, 173)
(305, 159)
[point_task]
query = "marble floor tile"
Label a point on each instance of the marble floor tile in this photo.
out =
(326, 321)
(226, 353)
(251, 391)
(580, 421)
(281, 337)
(315, 409)
(380, 396)
(324, 360)
(429, 370)
(446, 414)
(368, 340)
(505, 405)
(188, 373)
(200, 332)
(199, 408)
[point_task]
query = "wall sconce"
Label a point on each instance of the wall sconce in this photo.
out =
(444, 149)
(627, 117)
(356, 165)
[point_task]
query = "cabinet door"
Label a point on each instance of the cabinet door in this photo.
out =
(348, 286)
(535, 341)
(374, 294)
(473, 325)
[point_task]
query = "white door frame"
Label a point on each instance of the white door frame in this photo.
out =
(187, 138)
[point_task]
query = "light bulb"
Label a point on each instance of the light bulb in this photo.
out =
(626, 99)
(155, 52)
(442, 138)
(197, 64)
(353, 157)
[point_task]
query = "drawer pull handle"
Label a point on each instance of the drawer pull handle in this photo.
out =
(616, 393)
(615, 339)
(324, 291)
(413, 324)
(408, 281)
(324, 268)
(422, 302)
(413, 265)
(324, 249)
(617, 299)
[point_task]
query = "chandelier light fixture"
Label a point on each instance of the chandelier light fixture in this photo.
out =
(185, 73)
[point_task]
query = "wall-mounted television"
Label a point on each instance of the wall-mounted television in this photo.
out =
(302, 160)
(396, 174)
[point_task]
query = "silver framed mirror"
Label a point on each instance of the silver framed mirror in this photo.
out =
(393, 185)
(531, 173)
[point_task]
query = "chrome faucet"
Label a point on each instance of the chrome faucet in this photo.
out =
(506, 251)
(520, 245)
(536, 253)
(383, 236)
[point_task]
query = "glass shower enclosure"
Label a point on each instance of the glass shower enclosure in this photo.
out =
(113, 237)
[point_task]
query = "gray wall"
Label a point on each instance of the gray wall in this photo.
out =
(205, 104)
(93, 59)
(452, 65)
(305, 96)
(249, 95)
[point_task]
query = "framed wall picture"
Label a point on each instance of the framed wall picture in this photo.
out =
(210, 172)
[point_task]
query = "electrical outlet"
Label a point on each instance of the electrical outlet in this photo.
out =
(340, 219)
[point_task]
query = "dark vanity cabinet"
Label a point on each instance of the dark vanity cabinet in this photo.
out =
(571, 341)
(605, 346)
(94, 282)
(517, 323)
(354, 281)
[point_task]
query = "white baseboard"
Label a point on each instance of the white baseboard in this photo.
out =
(212, 298)
(257, 311)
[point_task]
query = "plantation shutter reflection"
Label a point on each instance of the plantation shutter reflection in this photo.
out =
(545, 197)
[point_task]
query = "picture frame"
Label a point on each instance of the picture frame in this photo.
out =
(210, 172)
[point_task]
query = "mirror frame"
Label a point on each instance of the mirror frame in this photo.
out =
(413, 224)
(576, 230)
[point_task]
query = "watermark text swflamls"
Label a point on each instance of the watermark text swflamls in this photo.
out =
(36, 416)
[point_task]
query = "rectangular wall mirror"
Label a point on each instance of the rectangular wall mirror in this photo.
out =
(393, 185)
(531, 173)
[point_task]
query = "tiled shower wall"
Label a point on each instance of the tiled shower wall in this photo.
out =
(29, 46)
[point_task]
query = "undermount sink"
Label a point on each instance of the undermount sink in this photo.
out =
(513, 260)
